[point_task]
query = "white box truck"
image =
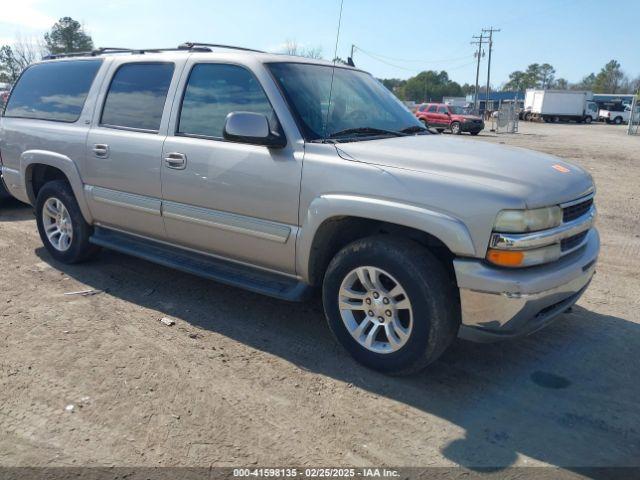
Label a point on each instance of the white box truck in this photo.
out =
(560, 106)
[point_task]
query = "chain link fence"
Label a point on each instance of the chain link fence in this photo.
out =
(505, 119)
(634, 117)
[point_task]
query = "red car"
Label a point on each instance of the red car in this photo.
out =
(447, 117)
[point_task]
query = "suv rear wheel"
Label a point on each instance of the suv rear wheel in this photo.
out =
(390, 304)
(63, 230)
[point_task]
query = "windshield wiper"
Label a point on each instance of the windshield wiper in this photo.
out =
(414, 129)
(365, 131)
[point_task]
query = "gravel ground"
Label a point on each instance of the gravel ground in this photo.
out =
(244, 380)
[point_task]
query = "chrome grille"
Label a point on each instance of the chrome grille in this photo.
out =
(572, 242)
(575, 211)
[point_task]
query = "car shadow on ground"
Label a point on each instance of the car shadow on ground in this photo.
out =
(566, 396)
(12, 210)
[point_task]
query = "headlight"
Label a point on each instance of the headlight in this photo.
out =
(522, 221)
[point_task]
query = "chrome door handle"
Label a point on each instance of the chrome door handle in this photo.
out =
(175, 160)
(101, 150)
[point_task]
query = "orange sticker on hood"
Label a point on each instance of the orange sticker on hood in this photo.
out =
(560, 168)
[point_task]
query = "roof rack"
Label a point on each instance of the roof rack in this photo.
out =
(191, 46)
(199, 45)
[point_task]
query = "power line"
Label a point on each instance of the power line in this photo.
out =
(405, 60)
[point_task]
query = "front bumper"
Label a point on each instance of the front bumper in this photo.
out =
(501, 303)
(471, 127)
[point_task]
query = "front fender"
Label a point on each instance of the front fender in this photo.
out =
(449, 230)
(29, 158)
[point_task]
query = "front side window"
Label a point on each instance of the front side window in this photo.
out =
(443, 110)
(53, 91)
(137, 95)
(360, 105)
(215, 90)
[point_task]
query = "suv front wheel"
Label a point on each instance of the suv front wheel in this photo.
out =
(63, 230)
(390, 304)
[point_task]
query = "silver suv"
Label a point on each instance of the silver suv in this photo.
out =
(281, 175)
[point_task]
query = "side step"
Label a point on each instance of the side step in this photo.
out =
(230, 273)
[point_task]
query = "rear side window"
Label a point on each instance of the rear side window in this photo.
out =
(53, 91)
(137, 95)
(443, 110)
(215, 90)
(432, 109)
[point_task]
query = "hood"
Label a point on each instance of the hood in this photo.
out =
(538, 179)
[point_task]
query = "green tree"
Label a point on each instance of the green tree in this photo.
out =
(547, 75)
(430, 86)
(67, 35)
(9, 68)
(468, 89)
(587, 82)
(15, 58)
(395, 85)
(561, 84)
(610, 78)
(518, 81)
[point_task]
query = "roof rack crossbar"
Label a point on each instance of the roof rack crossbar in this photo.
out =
(193, 45)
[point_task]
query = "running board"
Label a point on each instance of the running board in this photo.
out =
(230, 273)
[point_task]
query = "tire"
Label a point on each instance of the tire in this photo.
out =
(424, 122)
(474, 133)
(429, 324)
(588, 119)
(58, 195)
(455, 128)
(617, 120)
(527, 116)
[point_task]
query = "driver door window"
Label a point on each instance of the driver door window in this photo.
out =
(215, 90)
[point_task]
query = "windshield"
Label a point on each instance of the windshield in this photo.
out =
(361, 106)
(457, 110)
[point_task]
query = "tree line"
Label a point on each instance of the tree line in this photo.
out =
(433, 86)
(610, 79)
(66, 35)
(427, 86)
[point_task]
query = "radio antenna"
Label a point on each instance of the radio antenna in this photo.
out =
(333, 72)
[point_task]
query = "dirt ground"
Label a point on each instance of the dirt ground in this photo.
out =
(245, 380)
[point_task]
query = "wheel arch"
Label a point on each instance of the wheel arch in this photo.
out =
(40, 166)
(333, 221)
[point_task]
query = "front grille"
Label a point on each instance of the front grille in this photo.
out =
(575, 211)
(572, 242)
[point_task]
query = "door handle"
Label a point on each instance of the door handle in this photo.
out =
(175, 160)
(100, 150)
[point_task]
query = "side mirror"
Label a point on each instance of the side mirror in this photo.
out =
(249, 127)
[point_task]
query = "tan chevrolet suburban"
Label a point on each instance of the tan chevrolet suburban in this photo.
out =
(283, 175)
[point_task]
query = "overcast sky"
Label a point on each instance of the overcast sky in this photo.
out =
(396, 39)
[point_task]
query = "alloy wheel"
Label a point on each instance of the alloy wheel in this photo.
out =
(57, 224)
(375, 309)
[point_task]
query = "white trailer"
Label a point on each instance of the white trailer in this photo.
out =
(560, 105)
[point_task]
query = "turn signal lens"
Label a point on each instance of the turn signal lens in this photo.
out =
(524, 258)
(505, 258)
